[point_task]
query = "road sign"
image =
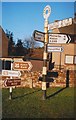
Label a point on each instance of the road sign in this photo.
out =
(59, 38)
(60, 23)
(27, 66)
(39, 36)
(48, 79)
(52, 74)
(46, 12)
(12, 82)
(11, 73)
(54, 48)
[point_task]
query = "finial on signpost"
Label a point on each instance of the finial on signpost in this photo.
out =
(46, 12)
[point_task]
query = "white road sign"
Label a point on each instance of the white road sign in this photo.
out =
(39, 36)
(60, 23)
(11, 73)
(54, 48)
(59, 38)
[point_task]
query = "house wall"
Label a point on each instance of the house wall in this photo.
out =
(69, 49)
(3, 44)
(67, 29)
(59, 57)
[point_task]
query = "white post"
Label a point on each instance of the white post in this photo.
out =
(10, 89)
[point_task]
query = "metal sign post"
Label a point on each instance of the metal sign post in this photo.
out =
(10, 89)
(46, 14)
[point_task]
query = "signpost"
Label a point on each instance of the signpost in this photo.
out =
(11, 73)
(54, 48)
(39, 36)
(22, 66)
(12, 82)
(49, 39)
(59, 38)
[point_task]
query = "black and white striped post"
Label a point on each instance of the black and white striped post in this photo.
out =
(46, 14)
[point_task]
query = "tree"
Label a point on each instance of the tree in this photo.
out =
(11, 43)
(30, 43)
(19, 49)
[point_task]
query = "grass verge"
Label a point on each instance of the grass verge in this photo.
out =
(28, 103)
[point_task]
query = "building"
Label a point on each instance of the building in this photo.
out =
(3, 44)
(67, 58)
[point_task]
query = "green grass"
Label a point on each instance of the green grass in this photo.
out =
(28, 103)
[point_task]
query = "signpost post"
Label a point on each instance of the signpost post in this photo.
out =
(10, 89)
(46, 14)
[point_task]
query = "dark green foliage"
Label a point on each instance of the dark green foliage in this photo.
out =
(22, 47)
(11, 43)
(19, 49)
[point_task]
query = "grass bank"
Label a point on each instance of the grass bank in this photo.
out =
(28, 103)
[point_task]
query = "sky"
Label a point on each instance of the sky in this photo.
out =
(22, 18)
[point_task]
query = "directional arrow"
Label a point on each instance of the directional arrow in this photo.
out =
(12, 82)
(39, 36)
(52, 74)
(11, 73)
(48, 79)
(54, 48)
(27, 66)
(59, 38)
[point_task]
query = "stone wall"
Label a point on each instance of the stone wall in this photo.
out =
(31, 79)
